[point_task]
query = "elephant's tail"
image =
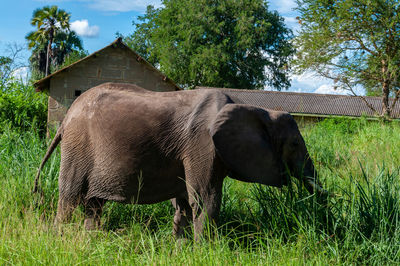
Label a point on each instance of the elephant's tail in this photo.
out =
(53, 145)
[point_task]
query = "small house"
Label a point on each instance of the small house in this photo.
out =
(114, 63)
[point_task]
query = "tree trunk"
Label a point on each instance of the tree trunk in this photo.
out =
(49, 51)
(385, 99)
(47, 58)
(385, 91)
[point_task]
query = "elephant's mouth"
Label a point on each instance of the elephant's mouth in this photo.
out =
(310, 183)
(314, 186)
(285, 178)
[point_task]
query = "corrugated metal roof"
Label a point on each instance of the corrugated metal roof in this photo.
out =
(309, 103)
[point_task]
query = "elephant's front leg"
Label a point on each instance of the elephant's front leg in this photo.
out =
(205, 204)
(204, 175)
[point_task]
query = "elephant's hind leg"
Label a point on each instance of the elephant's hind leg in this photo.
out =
(93, 210)
(183, 216)
(64, 210)
(71, 186)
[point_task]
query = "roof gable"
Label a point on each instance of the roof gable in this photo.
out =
(44, 83)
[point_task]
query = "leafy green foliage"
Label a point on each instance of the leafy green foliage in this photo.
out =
(353, 42)
(71, 58)
(21, 108)
(229, 43)
(65, 44)
(4, 65)
(5, 68)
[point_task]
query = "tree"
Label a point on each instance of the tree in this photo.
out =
(227, 43)
(49, 21)
(354, 43)
(72, 57)
(64, 45)
(11, 63)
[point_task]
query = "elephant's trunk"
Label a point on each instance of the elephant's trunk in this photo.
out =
(310, 179)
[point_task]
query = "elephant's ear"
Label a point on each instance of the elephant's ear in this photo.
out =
(242, 140)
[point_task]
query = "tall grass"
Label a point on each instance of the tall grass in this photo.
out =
(359, 223)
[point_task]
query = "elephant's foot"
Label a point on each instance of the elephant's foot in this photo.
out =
(64, 211)
(92, 224)
(205, 216)
(93, 210)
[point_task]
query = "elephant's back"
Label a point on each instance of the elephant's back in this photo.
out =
(137, 118)
(116, 137)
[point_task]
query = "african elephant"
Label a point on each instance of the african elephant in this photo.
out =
(123, 143)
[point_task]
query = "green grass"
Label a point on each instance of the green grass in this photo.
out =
(358, 163)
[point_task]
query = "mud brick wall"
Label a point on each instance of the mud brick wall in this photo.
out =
(113, 64)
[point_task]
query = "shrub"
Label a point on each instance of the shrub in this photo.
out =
(21, 108)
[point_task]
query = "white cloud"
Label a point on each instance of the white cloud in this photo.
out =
(285, 6)
(312, 83)
(329, 89)
(308, 82)
(291, 20)
(82, 28)
(123, 5)
(292, 23)
(21, 73)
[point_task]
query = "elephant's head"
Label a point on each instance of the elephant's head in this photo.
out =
(261, 146)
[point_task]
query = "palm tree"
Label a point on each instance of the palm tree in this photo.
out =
(48, 20)
(67, 48)
(65, 44)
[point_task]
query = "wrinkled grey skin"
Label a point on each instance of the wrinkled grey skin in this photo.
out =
(123, 143)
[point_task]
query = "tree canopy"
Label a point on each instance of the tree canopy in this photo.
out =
(227, 43)
(52, 40)
(354, 43)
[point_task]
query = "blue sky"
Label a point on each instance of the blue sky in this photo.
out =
(97, 22)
